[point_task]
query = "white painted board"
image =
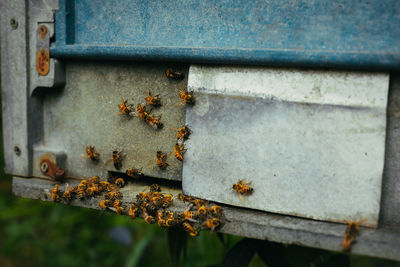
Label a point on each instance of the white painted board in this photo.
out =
(311, 142)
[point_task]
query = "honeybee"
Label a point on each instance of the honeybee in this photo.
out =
(350, 234)
(143, 196)
(189, 216)
(169, 214)
(105, 204)
(95, 180)
(106, 186)
(160, 220)
(113, 195)
(184, 198)
(120, 182)
(134, 172)
(55, 193)
(150, 208)
(153, 100)
(141, 112)
(183, 133)
(242, 188)
(198, 202)
(212, 223)
(95, 189)
(70, 193)
(155, 188)
(171, 222)
(125, 108)
(188, 228)
(154, 122)
(187, 97)
(89, 191)
(160, 160)
(157, 200)
(148, 218)
(167, 201)
(202, 211)
(91, 154)
(179, 150)
(119, 210)
(118, 207)
(117, 158)
(81, 191)
(172, 74)
(216, 210)
(133, 211)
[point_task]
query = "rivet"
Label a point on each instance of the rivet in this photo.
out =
(42, 31)
(14, 23)
(17, 151)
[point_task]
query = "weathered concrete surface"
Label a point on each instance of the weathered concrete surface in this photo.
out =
(85, 113)
(382, 242)
(311, 142)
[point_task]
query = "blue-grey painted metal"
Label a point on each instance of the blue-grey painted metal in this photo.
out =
(355, 34)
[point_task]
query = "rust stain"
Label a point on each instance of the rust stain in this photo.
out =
(42, 31)
(49, 168)
(43, 61)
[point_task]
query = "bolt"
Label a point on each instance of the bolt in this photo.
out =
(42, 31)
(44, 167)
(14, 23)
(17, 151)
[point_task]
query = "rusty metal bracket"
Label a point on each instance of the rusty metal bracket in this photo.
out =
(51, 164)
(45, 72)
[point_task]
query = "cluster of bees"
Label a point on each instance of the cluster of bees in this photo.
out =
(142, 112)
(151, 206)
(86, 188)
(202, 213)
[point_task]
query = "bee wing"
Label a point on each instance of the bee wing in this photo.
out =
(108, 161)
(153, 125)
(242, 181)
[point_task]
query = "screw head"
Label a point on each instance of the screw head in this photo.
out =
(42, 31)
(14, 23)
(17, 151)
(44, 167)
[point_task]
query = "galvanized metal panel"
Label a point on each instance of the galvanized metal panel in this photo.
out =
(311, 142)
(354, 34)
(86, 111)
(14, 85)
